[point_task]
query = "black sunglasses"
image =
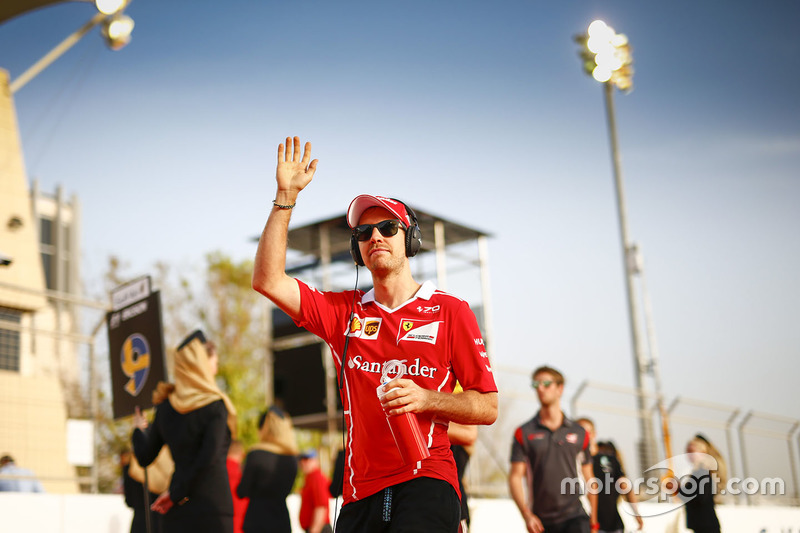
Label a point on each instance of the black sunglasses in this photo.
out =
(388, 228)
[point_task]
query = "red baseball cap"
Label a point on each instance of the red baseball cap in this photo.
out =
(365, 201)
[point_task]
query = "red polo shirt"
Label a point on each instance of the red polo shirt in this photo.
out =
(435, 335)
(315, 494)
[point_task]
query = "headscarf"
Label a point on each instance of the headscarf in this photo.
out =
(276, 434)
(159, 472)
(194, 386)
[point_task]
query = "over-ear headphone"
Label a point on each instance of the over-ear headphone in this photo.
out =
(413, 238)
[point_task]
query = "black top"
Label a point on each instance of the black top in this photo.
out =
(697, 490)
(607, 470)
(337, 479)
(462, 458)
(267, 479)
(198, 441)
(134, 498)
(552, 458)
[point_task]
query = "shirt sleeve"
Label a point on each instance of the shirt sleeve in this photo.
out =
(319, 310)
(324, 313)
(518, 454)
(470, 360)
(147, 443)
(586, 456)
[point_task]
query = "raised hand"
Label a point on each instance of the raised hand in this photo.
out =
(139, 420)
(293, 172)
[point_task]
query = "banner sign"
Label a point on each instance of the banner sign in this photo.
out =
(131, 292)
(136, 353)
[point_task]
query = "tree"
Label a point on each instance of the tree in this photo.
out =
(234, 316)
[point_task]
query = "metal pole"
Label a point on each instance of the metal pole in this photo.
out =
(792, 463)
(441, 255)
(742, 448)
(729, 437)
(269, 352)
(331, 390)
(55, 53)
(488, 338)
(788, 435)
(798, 450)
(57, 295)
(646, 430)
(574, 402)
(483, 254)
(654, 366)
(93, 403)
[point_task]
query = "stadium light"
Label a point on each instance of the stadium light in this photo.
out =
(607, 55)
(110, 7)
(116, 31)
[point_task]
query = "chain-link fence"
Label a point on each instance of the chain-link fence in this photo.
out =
(760, 450)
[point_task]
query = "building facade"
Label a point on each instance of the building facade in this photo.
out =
(39, 273)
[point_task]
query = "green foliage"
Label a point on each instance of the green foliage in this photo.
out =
(235, 321)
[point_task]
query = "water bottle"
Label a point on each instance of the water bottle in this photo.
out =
(405, 428)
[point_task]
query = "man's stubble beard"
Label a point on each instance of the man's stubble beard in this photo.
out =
(386, 266)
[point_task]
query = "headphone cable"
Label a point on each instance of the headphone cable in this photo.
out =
(341, 386)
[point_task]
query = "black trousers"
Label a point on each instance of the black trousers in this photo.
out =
(422, 505)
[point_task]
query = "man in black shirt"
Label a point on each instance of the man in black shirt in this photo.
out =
(545, 451)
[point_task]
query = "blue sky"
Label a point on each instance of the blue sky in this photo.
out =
(477, 111)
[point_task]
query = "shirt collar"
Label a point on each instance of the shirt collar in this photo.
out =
(566, 423)
(425, 292)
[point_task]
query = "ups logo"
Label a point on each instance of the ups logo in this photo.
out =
(371, 328)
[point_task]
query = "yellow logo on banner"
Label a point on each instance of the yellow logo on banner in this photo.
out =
(135, 362)
(407, 325)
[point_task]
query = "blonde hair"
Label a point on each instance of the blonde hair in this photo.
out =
(720, 469)
(276, 433)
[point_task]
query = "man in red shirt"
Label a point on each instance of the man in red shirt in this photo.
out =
(400, 325)
(234, 463)
(314, 498)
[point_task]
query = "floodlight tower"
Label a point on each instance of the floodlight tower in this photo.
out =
(608, 59)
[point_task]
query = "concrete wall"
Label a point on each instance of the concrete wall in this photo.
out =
(107, 513)
(34, 414)
(20, 240)
(33, 428)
